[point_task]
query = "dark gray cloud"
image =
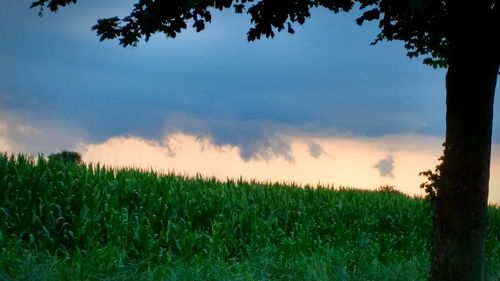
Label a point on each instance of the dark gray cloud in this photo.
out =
(32, 134)
(271, 148)
(315, 149)
(385, 166)
(239, 93)
(256, 140)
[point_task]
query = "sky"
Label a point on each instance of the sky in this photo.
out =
(319, 106)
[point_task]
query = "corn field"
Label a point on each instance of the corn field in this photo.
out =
(61, 221)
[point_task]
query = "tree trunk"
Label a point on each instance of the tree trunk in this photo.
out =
(460, 214)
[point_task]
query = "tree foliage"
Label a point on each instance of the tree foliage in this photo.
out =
(421, 24)
(431, 185)
(68, 157)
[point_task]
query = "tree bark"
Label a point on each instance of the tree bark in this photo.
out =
(460, 214)
(460, 211)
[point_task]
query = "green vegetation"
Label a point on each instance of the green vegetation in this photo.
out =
(60, 221)
(67, 156)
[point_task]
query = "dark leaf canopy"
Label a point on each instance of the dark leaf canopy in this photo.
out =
(421, 24)
(67, 157)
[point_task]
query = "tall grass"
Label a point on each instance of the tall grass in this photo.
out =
(75, 222)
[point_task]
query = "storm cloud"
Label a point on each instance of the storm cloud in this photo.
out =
(239, 93)
(315, 149)
(33, 134)
(385, 166)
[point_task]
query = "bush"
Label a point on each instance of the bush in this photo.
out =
(432, 184)
(68, 157)
(389, 189)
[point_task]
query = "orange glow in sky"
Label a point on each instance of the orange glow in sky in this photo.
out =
(337, 161)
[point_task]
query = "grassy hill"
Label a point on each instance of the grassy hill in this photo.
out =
(73, 222)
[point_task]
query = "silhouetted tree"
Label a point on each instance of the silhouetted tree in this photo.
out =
(460, 35)
(69, 157)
